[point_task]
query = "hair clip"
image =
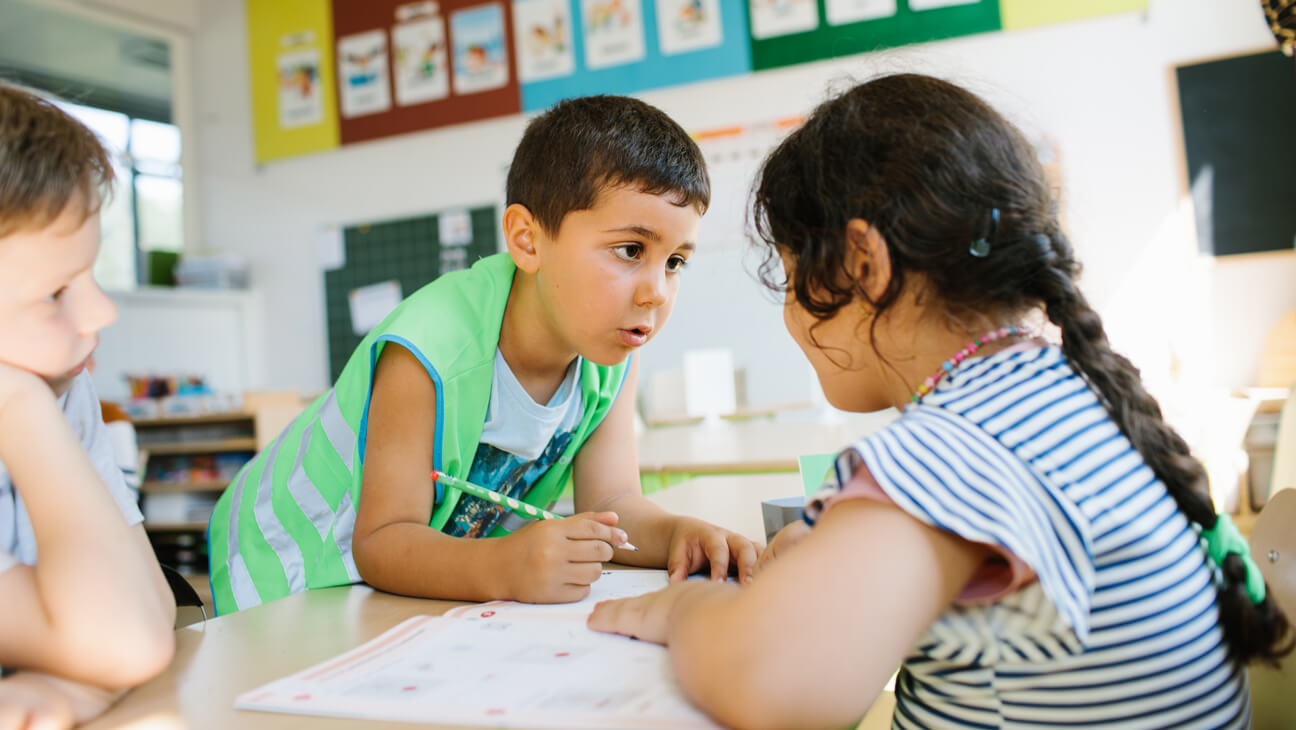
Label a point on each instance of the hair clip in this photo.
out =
(980, 248)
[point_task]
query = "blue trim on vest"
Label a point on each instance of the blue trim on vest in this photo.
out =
(624, 374)
(440, 400)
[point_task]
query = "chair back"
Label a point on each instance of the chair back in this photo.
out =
(1273, 545)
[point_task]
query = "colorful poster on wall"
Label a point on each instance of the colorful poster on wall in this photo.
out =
(773, 18)
(362, 74)
(614, 32)
(421, 69)
(1029, 13)
(301, 100)
(450, 63)
(290, 61)
(933, 4)
(841, 12)
(786, 32)
(627, 46)
(480, 55)
(546, 47)
(688, 25)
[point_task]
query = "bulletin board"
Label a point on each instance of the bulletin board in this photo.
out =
(334, 72)
(1237, 116)
(409, 252)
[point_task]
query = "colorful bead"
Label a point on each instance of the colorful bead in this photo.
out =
(969, 349)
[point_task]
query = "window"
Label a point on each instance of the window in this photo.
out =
(145, 212)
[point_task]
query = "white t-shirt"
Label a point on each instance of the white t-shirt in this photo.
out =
(520, 441)
(81, 408)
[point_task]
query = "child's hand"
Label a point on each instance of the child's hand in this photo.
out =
(16, 382)
(555, 561)
(645, 617)
(694, 543)
(29, 704)
(785, 540)
(37, 701)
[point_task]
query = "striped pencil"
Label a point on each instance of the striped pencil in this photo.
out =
(518, 507)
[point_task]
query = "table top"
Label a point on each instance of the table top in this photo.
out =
(751, 446)
(217, 661)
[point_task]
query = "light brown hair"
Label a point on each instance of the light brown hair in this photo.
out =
(48, 160)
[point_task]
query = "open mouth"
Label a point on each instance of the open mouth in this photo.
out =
(635, 336)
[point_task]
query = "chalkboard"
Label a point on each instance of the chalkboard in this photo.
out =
(408, 251)
(1239, 132)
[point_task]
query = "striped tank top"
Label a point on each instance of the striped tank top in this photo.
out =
(1120, 629)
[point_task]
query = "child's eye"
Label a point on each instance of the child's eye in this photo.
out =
(56, 295)
(629, 251)
(676, 264)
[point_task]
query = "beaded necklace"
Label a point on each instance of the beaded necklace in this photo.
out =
(965, 353)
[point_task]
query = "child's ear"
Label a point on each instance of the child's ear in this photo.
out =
(867, 257)
(521, 229)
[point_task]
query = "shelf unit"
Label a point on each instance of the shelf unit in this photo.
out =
(191, 460)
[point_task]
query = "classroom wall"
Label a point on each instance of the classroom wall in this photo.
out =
(1100, 88)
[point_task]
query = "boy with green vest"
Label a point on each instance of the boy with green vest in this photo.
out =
(517, 374)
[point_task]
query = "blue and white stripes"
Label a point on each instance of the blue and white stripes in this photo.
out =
(1121, 628)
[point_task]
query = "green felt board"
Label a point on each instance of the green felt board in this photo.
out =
(407, 250)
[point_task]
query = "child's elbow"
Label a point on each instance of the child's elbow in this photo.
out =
(155, 651)
(133, 658)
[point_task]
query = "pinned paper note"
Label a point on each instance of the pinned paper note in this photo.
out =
(371, 304)
(814, 470)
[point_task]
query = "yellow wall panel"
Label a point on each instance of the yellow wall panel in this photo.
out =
(294, 89)
(1029, 13)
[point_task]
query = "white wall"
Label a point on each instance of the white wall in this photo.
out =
(1101, 88)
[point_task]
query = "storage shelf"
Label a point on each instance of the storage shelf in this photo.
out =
(231, 416)
(175, 526)
(155, 487)
(201, 447)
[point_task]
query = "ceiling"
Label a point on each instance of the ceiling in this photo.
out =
(85, 61)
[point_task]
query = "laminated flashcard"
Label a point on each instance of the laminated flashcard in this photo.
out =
(421, 69)
(362, 73)
(688, 25)
(841, 12)
(772, 18)
(301, 100)
(544, 43)
(480, 55)
(614, 32)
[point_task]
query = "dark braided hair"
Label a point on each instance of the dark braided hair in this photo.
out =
(924, 162)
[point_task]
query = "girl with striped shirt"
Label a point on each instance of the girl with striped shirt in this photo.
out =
(1029, 541)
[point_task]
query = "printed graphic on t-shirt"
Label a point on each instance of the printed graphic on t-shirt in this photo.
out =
(505, 473)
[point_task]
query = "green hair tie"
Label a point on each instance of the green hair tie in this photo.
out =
(1223, 539)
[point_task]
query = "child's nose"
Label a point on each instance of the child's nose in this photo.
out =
(652, 290)
(97, 310)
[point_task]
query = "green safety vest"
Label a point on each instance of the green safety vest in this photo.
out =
(285, 523)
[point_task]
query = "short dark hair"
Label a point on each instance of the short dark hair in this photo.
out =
(572, 152)
(47, 160)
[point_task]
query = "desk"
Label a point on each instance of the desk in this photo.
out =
(749, 446)
(233, 654)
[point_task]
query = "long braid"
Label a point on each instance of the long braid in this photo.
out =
(1253, 631)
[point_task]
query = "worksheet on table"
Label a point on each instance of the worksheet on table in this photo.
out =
(500, 664)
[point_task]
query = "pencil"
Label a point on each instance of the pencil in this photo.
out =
(518, 507)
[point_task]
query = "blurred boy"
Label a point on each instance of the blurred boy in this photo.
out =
(86, 611)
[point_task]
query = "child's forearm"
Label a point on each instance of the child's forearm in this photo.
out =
(93, 593)
(416, 560)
